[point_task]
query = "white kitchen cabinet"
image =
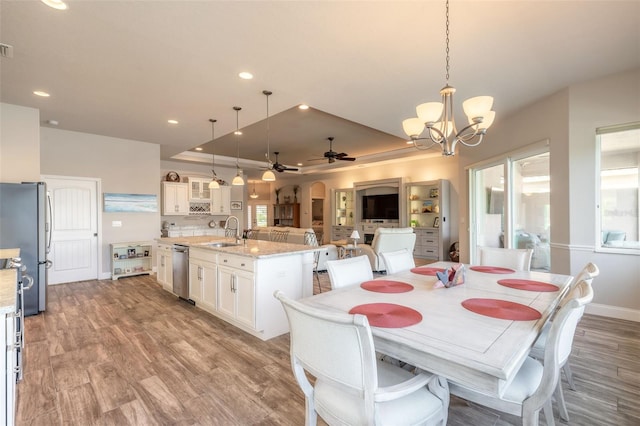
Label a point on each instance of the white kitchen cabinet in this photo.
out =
(164, 267)
(221, 201)
(203, 279)
(199, 189)
(236, 291)
(175, 198)
(10, 348)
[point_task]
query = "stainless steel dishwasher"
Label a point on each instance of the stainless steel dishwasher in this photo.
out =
(180, 257)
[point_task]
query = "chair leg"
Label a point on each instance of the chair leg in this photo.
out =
(569, 374)
(562, 406)
(548, 413)
(315, 272)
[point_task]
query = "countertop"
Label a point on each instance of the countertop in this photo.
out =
(8, 291)
(249, 248)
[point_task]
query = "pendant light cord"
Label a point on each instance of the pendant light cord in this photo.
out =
(447, 43)
(213, 150)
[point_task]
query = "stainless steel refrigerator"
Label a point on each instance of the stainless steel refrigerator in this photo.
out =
(24, 224)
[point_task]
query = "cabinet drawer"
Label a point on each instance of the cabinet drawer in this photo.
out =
(429, 241)
(369, 229)
(238, 262)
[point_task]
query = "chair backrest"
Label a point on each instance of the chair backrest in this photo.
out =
(349, 271)
(279, 236)
(253, 234)
(310, 239)
(518, 259)
(588, 273)
(332, 346)
(391, 239)
(560, 341)
(398, 261)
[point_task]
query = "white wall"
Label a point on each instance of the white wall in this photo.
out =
(122, 165)
(19, 144)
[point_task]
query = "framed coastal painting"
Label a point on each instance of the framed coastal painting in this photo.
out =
(130, 203)
(236, 205)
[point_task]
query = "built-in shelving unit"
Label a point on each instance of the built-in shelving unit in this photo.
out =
(131, 258)
(428, 211)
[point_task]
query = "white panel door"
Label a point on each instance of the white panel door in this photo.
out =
(74, 224)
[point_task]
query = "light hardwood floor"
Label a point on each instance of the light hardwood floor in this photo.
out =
(127, 352)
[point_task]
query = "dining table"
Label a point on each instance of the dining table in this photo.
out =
(476, 334)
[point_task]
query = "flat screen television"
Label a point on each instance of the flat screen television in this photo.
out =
(384, 206)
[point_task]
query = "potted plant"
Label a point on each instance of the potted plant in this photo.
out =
(278, 195)
(295, 193)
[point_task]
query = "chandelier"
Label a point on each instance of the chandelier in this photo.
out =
(268, 175)
(254, 194)
(238, 180)
(437, 117)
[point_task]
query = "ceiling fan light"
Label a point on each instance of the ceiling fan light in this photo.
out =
(214, 185)
(478, 106)
(268, 176)
(430, 112)
(413, 127)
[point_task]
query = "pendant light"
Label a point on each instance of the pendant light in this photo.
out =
(268, 175)
(214, 180)
(253, 195)
(238, 180)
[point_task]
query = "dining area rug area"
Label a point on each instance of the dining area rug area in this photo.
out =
(127, 352)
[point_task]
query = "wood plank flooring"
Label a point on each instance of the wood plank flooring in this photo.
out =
(127, 352)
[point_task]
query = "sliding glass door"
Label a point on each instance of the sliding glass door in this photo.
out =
(510, 205)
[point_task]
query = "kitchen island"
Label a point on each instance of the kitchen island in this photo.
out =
(236, 282)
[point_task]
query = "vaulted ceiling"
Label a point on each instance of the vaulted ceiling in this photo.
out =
(123, 68)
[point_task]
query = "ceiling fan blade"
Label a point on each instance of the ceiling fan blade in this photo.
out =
(347, 158)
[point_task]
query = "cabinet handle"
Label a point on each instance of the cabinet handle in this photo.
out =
(231, 284)
(199, 273)
(162, 261)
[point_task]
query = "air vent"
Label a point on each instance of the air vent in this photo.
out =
(6, 51)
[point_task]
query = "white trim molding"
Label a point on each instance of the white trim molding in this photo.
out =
(613, 312)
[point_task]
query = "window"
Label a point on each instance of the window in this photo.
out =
(510, 204)
(619, 159)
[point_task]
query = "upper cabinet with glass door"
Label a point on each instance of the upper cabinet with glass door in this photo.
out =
(344, 207)
(199, 189)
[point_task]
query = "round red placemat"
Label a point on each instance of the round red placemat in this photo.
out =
(527, 285)
(427, 271)
(492, 269)
(386, 286)
(388, 315)
(501, 309)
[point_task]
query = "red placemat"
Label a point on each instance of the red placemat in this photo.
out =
(386, 286)
(427, 271)
(501, 309)
(529, 285)
(388, 315)
(492, 269)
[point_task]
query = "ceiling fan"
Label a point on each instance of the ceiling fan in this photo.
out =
(279, 167)
(332, 155)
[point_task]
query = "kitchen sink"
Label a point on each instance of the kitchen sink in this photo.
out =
(222, 244)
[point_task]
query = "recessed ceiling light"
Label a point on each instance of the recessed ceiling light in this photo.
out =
(41, 93)
(299, 164)
(198, 149)
(237, 132)
(172, 121)
(303, 106)
(56, 4)
(245, 75)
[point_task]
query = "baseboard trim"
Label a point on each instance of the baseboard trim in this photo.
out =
(613, 312)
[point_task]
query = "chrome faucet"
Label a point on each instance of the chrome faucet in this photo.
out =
(236, 230)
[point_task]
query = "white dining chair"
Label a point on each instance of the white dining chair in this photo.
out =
(534, 384)
(351, 387)
(517, 259)
(398, 260)
(349, 271)
(587, 274)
